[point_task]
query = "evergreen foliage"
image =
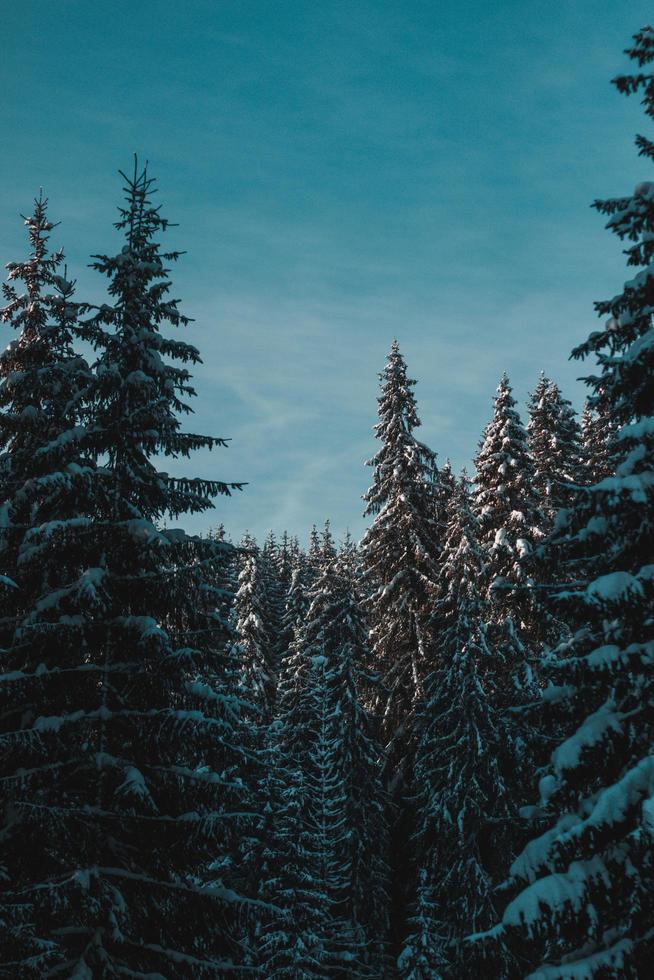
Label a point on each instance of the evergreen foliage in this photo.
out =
(464, 802)
(399, 553)
(554, 443)
(254, 637)
(120, 752)
(506, 500)
(341, 827)
(598, 433)
(584, 904)
(511, 522)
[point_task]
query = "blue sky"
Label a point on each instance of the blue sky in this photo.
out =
(342, 173)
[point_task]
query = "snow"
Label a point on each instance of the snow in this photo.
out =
(639, 486)
(134, 784)
(616, 801)
(554, 894)
(595, 729)
(547, 785)
(615, 587)
(534, 857)
(554, 693)
(587, 967)
(637, 431)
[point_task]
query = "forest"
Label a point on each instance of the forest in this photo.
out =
(427, 755)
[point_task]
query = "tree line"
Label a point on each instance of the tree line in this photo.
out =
(426, 755)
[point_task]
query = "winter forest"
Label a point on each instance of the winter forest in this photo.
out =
(427, 755)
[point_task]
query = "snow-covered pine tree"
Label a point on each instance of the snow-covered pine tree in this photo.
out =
(585, 901)
(42, 386)
(327, 546)
(253, 637)
(284, 563)
(121, 756)
(321, 549)
(343, 815)
(446, 488)
(463, 803)
(289, 919)
(421, 957)
(314, 551)
(554, 442)
(511, 522)
(272, 563)
(506, 501)
(399, 554)
(296, 604)
(598, 444)
(45, 476)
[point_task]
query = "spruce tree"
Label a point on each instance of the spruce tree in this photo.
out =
(285, 563)
(585, 885)
(446, 489)
(506, 500)
(598, 444)
(511, 522)
(295, 606)
(253, 636)
(463, 805)
(121, 754)
(45, 481)
(341, 827)
(554, 443)
(314, 551)
(399, 553)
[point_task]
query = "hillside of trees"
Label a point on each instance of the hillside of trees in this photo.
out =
(428, 755)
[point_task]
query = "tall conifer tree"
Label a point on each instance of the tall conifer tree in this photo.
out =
(399, 553)
(598, 444)
(253, 636)
(122, 761)
(511, 522)
(554, 443)
(586, 907)
(464, 807)
(341, 827)
(45, 483)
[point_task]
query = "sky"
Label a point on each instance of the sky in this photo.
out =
(341, 174)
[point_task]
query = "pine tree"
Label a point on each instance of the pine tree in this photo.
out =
(295, 606)
(585, 886)
(288, 936)
(42, 391)
(342, 820)
(327, 546)
(253, 636)
(446, 489)
(506, 501)
(511, 524)
(421, 957)
(121, 755)
(285, 563)
(399, 553)
(554, 443)
(274, 564)
(45, 477)
(598, 445)
(314, 551)
(321, 548)
(463, 804)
